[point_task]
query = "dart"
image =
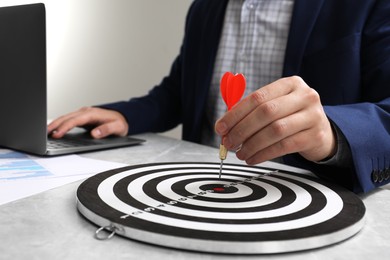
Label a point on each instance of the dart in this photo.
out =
(232, 89)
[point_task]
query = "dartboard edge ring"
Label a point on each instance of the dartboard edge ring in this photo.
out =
(138, 201)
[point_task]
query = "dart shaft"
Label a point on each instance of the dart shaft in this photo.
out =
(222, 155)
(220, 169)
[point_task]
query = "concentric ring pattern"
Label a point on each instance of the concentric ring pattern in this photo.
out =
(176, 204)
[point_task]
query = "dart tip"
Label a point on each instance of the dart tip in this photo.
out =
(220, 169)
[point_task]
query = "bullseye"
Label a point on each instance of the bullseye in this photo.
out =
(219, 189)
(252, 210)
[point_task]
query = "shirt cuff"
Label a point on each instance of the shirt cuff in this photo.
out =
(343, 155)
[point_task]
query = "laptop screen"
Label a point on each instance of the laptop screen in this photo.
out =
(23, 77)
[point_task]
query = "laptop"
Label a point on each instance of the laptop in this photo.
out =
(23, 105)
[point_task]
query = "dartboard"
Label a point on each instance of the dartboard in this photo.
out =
(250, 210)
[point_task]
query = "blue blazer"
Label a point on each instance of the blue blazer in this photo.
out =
(341, 48)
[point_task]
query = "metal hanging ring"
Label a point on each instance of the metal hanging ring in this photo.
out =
(111, 229)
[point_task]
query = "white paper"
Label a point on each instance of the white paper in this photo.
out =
(22, 175)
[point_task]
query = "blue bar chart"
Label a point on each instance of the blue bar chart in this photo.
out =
(16, 166)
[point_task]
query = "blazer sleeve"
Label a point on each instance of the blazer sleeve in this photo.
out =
(365, 124)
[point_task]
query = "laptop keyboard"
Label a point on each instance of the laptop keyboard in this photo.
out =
(65, 143)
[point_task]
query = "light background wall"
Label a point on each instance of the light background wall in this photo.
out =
(102, 51)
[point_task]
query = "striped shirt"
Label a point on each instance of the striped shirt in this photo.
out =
(253, 42)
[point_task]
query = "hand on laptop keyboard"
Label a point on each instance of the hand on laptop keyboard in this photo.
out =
(103, 122)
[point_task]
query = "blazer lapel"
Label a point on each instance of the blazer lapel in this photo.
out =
(304, 16)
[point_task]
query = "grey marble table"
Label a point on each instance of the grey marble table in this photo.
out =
(48, 225)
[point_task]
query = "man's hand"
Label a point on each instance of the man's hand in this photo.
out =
(103, 122)
(283, 117)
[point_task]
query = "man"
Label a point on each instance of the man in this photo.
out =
(329, 111)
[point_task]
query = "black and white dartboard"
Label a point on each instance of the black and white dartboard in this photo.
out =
(250, 210)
